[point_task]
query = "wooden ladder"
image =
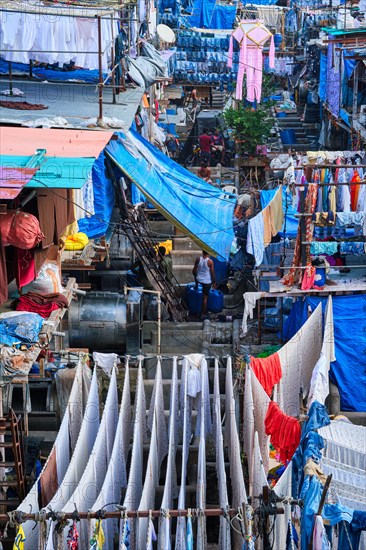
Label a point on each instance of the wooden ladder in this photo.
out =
(11, 428)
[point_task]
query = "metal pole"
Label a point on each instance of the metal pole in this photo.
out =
(113, 69)
(100, 65)
(10, 78)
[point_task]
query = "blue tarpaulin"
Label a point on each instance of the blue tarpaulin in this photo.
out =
(210, 14)
(86, 75)
(290, 230)
(322, 91)
(97, 225)
(194, 206)
(348, 372)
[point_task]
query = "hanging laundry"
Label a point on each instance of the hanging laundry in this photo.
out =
(116, 477)
(97, 540)
(266, 213)
(91, 481)
(298, 358)
(258, 477)
(283, 489)
(224, 534)
(189, 535)
(319, 383)
(276, 212)
(72, 537)
(251, 36)
(185, 415)
(261, 402)
(248, 418)
(124, 537)
(255, 239)
(267, 370)
(351, 247)
(134, 486)
(151, 536)
(285, 431)
(354, 189)
(58, 461)
(232, 441)
(170, 488)
(250, 302)
(106, 361)
(201, 463)
(19, 539)
(310, 203)
(326, 248)
(157, 409)
(157, 452)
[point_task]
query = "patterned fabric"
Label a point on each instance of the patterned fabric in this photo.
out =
(19, 539)
(124, 539)
(72, 538)
(352, 248)
(97, 540)
(310, 203)
(298, 358)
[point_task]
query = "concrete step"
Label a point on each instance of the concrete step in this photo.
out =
(183, 273)
(184, 243)
(183, 257)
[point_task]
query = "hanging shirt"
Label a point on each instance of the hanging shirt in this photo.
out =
(267, 370)
(285, 431)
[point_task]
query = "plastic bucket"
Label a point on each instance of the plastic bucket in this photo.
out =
(281, 115)
(277, 39)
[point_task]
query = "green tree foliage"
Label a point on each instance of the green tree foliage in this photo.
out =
(251, 126)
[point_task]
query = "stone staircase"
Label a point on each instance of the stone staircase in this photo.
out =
(183, 255)
(302, 123)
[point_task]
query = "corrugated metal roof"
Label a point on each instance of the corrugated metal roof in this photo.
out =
(13, 179)
(54, 172)
(56, 142)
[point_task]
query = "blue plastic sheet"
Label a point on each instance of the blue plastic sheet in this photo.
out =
(290, 230)
(322, 91)
(22, 328)
(97, 225)
(348, 372)
(194, 206)
(211, 15)
(86, 75)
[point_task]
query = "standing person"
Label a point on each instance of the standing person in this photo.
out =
(205, 145)
(194, 98)
(165, 262)
(217, 143)
(204, 273)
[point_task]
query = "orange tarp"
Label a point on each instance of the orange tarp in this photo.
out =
(60, 143)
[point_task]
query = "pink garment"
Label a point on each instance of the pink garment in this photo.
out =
(251, 42)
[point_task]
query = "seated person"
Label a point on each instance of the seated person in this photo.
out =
(204, 172)
(217, 143)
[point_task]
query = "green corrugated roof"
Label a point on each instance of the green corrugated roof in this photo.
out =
(55, 172)
(340, 32)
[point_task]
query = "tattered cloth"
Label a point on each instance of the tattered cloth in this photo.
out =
(43, 304)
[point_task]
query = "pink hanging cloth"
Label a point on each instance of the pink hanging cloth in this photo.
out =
(251, 35)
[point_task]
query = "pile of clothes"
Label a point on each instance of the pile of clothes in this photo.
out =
(43, 304)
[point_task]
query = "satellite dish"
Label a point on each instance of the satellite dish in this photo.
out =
(166, 34)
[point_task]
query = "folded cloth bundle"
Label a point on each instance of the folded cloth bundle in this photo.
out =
(43, 304)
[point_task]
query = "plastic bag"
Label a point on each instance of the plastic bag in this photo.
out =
(47, 281)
